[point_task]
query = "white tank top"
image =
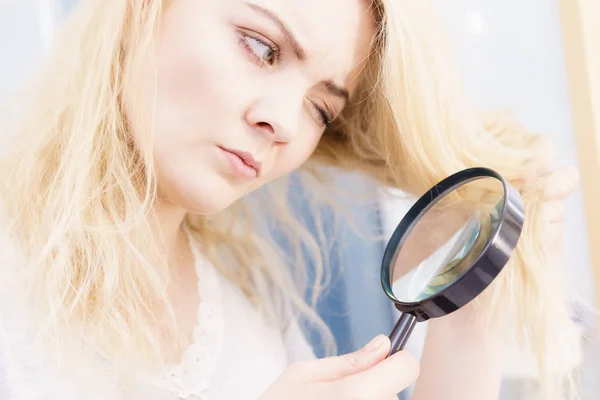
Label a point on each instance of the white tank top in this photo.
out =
(235, 355)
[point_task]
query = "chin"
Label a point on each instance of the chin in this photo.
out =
(201, 207)
(206, 200)
(201, 193)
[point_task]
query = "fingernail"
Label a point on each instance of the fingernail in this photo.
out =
(376, 343)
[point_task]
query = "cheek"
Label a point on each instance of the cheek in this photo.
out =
(198, 74)
(291, 156)
(185, 86)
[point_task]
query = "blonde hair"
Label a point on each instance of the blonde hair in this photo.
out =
(81, 214)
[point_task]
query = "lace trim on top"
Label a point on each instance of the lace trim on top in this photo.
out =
(191, 377)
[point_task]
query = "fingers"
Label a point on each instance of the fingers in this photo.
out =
(544, 154)
(386, 379)
(561, 183)
(334, 368)
(364, 374)
(554, 230)
(556, 237)
(554, 211)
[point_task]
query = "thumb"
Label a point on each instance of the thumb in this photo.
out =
(333, 368)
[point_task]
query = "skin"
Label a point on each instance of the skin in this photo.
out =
(219, 85)
(229, 76)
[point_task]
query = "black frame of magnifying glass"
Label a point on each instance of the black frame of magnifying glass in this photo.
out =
(488, 265)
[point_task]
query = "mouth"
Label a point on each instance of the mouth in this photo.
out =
(244, 162)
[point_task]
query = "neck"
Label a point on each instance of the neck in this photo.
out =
(168, 229)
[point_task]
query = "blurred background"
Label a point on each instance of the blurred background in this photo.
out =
(536, 58)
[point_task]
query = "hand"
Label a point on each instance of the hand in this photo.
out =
(557, 185)
(364, 374)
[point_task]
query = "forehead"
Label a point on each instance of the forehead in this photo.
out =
(336, 34)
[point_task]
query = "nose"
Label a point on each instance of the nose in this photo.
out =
(276, 117)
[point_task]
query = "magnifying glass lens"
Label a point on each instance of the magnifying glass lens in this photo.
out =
(450, 246)
(446, 240)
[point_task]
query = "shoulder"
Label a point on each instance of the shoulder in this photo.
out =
(294, 334)
(297, 346)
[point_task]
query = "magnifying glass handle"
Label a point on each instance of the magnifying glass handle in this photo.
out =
(401, 332)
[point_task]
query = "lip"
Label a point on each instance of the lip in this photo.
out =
(246, 158)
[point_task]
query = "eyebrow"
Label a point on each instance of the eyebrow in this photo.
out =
(287, 33)
(299, 51)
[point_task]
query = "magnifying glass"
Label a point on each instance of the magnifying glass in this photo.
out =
(449, 247)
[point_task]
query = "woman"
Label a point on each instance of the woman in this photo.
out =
(131, 266)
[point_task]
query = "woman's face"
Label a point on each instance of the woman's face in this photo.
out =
(245, 89)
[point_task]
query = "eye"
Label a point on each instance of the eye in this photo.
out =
(259, 49)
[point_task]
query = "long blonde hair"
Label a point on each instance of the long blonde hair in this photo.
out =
(80, 193)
